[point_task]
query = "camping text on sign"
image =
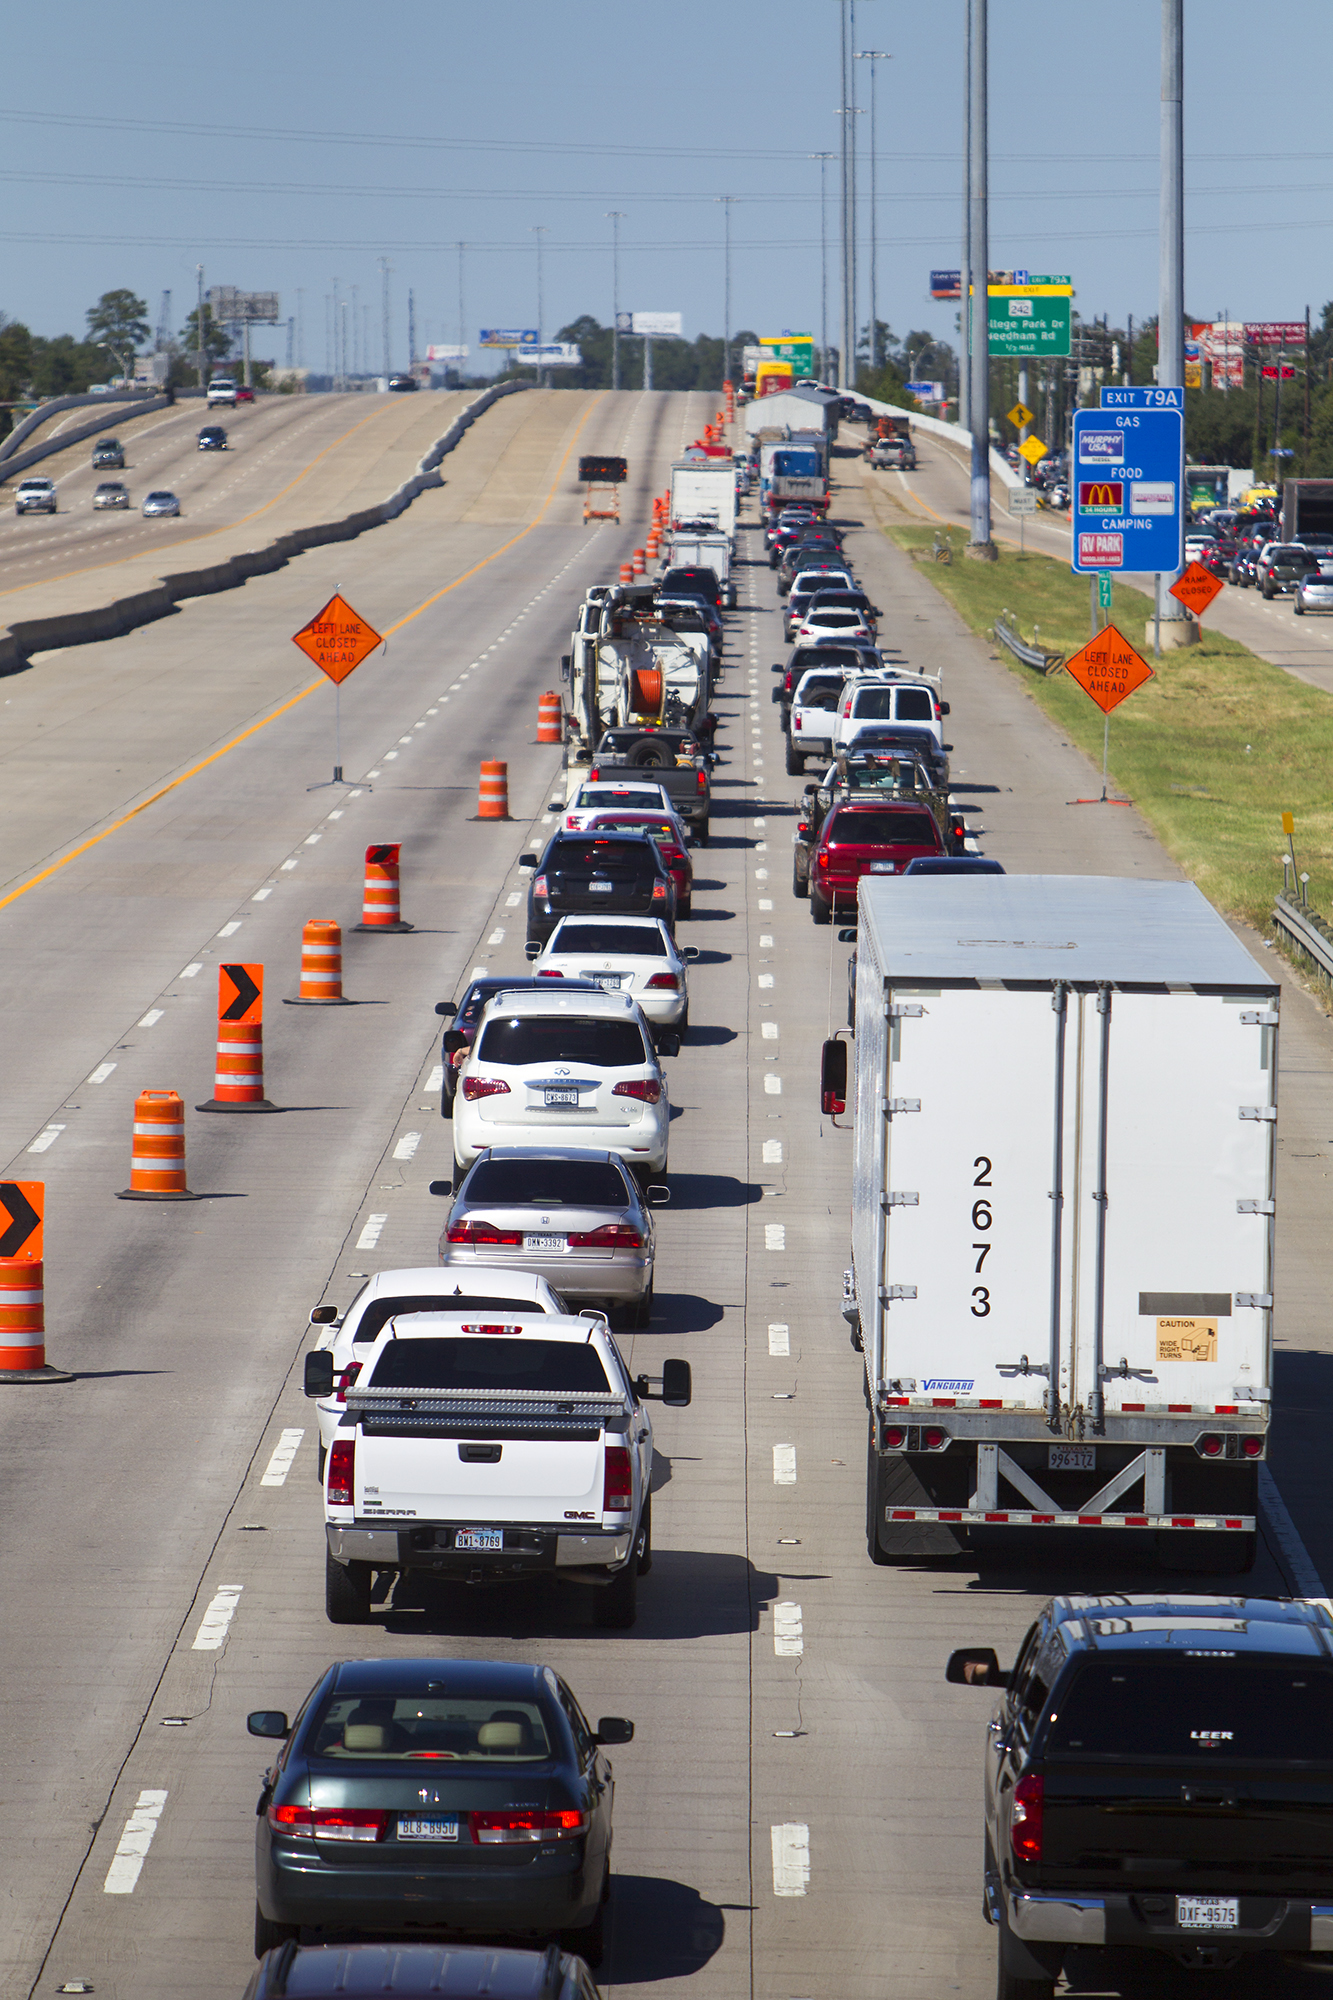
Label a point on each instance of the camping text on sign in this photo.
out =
(337, 640)
(1108, 669)
(1196, 589)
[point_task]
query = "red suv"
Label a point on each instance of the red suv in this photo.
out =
(871, 839)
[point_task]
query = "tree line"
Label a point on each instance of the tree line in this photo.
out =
(33, 367)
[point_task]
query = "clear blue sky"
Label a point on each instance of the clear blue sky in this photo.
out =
(286, 145)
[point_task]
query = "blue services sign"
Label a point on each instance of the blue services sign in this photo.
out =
(1143, 399)
(1127, 483)
(508, 336)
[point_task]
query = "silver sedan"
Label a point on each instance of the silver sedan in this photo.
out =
(576, 1218)
(1314, 592)
(111, 493)
(160, 504)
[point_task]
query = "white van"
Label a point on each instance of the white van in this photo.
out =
(865, 701)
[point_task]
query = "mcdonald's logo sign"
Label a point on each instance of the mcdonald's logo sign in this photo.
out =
(1101, 496)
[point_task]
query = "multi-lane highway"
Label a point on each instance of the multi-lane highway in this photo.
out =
(799, 1811)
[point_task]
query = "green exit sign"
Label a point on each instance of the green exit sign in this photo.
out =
(1029, 319)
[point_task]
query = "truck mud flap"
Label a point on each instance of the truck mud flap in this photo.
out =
(894, 1485)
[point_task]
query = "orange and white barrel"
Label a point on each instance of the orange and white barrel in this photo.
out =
(639, 561)
(550, 718)
(321, 960)
(239, 1076)
(380, 909)
(22, 1315)
(627, 572)
(157, 1146)
(493, 791)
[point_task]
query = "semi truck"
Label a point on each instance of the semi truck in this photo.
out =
(1307, 508)
(794, 469)
(704, 490)
(1063, 1201)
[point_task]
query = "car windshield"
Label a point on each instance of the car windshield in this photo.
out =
(491, 1361)
(547, 1184)
(627, 940)
(452, 1727)
(1203, 1705)
(884, 829)
(610, 857)
(454, 1295)
(526, 1040)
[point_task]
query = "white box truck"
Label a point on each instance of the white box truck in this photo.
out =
(703, 492)
(1062, 1213)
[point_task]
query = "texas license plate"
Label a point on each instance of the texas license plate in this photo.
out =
(546, 1243)
(608, 981)
(600, 888)
(882, 868)
(479, 1538)
(428, 1829)
(1071, 1458)
(555, 1096)
(1208, 1913)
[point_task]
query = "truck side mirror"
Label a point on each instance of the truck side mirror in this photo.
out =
(446, 1008)
(555, 805)
(976, 1666)
(677, 1385)
(453, 1040)
(833, 1078)
(944, 708)
(529, 860)
(319, 1372)
(846, 937)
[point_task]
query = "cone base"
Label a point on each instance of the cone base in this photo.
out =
(256, 1104)
(382, 929)
(156, 1194)
(331, 1002)
(43, 1374)
(495, 819)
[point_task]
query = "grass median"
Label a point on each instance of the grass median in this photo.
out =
(1212, 751)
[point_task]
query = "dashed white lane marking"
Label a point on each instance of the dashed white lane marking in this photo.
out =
(389, 756)
(407, 1146)
(230, 930)
(370, 1235)
(512, 902)
(768, 1031)
(759, 822)
(311, 838)
(372, 774)
(496, 937)
(151, 1018)
(765, 979)
(788, 1631)
(791, 1859)
(46, 1138)
(435, 1081)
(761, 846)
(1285, 1533)
(765, 903)
(772, 1152)
(765, 941)
(775, 1236)
(262, 895)
(281, 1462)
(338, 813)
(213, 1625)
(101, 1073)
(407, 739)
(779, 1337)
(773, 1086)
(784, 1465)
(291, 862)
(761, 874)
(189, 971)
(135, 1840)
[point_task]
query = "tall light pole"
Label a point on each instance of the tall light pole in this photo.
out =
(199, 324)
(539, 230)
(873, 56)
(823, 159)
(617, 216)
(385, 268)
(965, 274)
(1171, 236)
(848, 114)
(726, 201)
(462, 337)
(845, 140)
(981, 544)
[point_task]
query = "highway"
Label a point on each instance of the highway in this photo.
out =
(799, 1813)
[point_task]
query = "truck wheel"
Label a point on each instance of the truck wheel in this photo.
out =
(800, 884)
(618, 1601)
(873, 1503)
(821, 912)
(645, 1541)
(1024, 1971)
(795, 761)
(346, 1592)
(268, 1935)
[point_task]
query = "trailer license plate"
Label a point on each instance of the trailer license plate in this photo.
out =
(1071, 1458)
(479, 1538)
(562, 1097)
(428, 1829)
(1208, 1913)
(546, 1243)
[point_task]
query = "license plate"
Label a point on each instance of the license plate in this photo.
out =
(428, 1829)
(608, 981)
(600, 888)
(562, 1097)
(479, 1538)
(1208, 1913)
(546, 1243)
(1071, 1458)
(882, 868)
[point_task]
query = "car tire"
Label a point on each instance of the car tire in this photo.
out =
(800, 884)
(795, 761)
(589, 1944)
(821, 912)
(447, 1090)
(268, 1935)
(683, 1025)
(703, 833)
(685, 907)
(1267, 593)
(643, 1308)
(617, 1604)
(1299, 609)
(645, 1542)
(346, 1592)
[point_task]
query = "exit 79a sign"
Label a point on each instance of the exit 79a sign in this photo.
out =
(1029, 319)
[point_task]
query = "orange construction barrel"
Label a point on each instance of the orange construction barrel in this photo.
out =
(380, 912)
(550, 718)
(321, 966)
(157, 1148)
(493, 792)
(639, 562)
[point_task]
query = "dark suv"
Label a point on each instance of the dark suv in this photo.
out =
(702, 583)
(608, 875)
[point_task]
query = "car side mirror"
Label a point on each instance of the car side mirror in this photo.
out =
(552, 806)
(947, 746)
(532, 949)
(440, 1188)
(833, 1078)
(529, 860)
(614, 1729)
(846, 937)
(668, 1043)
(324, 1316)
(319, 1372)
(976, 1666)
(564, 666)
(268, 1722)
(452, 1040)
(944, 708)
(676, 1385)
(689, 952)
(446, 1008)
(658, 1197)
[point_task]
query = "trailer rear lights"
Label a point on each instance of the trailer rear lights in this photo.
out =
(1251, 1447)
(895, 1437)
(1211, 1446)
(1231, 1444)
(934, 1439)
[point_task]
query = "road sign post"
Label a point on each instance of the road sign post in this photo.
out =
(337, 640)
(1108, 670)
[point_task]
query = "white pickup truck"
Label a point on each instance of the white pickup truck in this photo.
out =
(486, 1451)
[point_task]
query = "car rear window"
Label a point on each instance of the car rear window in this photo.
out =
(632, 940)
(491, 1361)
(618, 795)
(548, 1183)
(832, 656)
(543, 1038)
(884, 828)
(877, 704)
(617, 857)
(837, 621)
(401, 1727)
(1197, 1706)
(451, 1297)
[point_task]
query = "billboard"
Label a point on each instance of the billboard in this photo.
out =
(926, 392)
(229, 305)
(1222, 346)
(454, 353)
(666, 324)
(1275, 333)
(507, 336)
(556, 354)
(751, 358)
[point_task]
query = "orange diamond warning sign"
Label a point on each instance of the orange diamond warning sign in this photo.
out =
(1196, 588)
(1108, 669)
(337, 640)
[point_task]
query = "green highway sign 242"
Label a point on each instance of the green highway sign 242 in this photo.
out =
(1030, 319)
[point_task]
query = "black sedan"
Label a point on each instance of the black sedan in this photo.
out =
(212, 438)
(582, 874)
(467, 1015)
(469, 1796)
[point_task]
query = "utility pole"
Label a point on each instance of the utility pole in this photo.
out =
(965, 275)
(1171, 239)
(617, 216)
(337, 337)
(411, 329)
(726, 201)
(848, 308)
(462, 337)
(873, 56)
(981, 545)
(823, 159)
(199, 326)
(539, 230)
(300, 327)
(385, 269)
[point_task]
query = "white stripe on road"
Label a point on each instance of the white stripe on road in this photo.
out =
(775, 1236)
(46, 1138)
(779, 1337)
(772, 1152)
(496, 937)
(101, 1073)
(407, 1145)
(213, 1625)
(135, 1840)
(151, 1018)
(765, 979)
(281, 1462)
(189, 971)
(773, 1086)
(230, 930)
(788, 1631)
(370, 1235)
(784, 1465)
(764, 903)
(512, 902)
(1298, 1559)
(791, 1859)
(435, 1081)
(768, 1031)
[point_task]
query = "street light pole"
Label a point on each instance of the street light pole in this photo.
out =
(848, 308)
(1171, 236)
(981, 544)
(726, 201)
(462, 337)
(823, 159)
(199, 325)
(617, 216)
(539, 231)
(385, 268)
(873, 56)
(965, 275)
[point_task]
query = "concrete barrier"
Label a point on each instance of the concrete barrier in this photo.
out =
(114, 620)
(55, 404)
(22, 461)
(952, 433)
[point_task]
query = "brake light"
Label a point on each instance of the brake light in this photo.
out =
(1025, 1823)
(611, 1236)
(1211, 1446)
(544, 974)
(484, 1086)
(539, 885)
(1251, 1447)
(594, 774)
(329, 1822)
(478, 1326)
(895, 1438)
(346, 1379)
(647, 1089)
(934, 1439)
(701, 781)
(483, 1232)
(675, 855)
(524, 1825)
(342, 1472)
(821, 858)
(617, 1481)
(665, 982)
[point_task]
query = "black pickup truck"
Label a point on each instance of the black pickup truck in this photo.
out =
(672, 758)
(1159, 1778)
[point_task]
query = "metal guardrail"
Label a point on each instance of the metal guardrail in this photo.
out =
(1307, 932)
(1007, 634)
